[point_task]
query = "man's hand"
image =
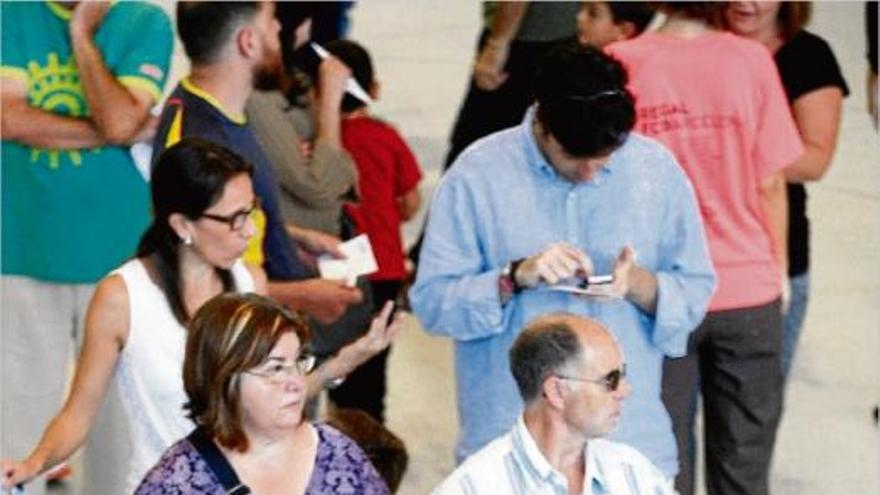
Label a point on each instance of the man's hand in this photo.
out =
(555, 262)
(316, 242)
(87, 17)
(18, 472)
(489, 67)
(322, 299)
(620, 286)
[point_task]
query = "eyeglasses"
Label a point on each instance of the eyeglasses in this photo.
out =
(236, 220)
(279, 371)
(611, 381)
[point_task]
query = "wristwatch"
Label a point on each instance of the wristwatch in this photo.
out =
(507, 284)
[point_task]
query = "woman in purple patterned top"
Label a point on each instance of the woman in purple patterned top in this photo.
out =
(244, 375)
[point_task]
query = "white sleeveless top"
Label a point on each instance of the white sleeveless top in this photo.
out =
(149, 373)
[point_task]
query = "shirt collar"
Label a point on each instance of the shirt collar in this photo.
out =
(190, 87)
(595, 470)
(537, 160)
(530, 455)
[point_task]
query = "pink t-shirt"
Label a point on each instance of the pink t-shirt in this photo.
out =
(716, 101)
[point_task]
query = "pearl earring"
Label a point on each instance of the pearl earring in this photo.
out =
(187, 241)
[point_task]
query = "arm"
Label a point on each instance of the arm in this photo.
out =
(817, 116)
(409, 204)
(332, 76)
(774, 205)
(456, 293)
(489, 66)
(40, 128)
(118, 113)
(684, 277)
(322, 299)
(383, 330)
(105, 334)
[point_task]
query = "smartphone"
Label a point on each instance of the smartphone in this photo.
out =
(596, 280)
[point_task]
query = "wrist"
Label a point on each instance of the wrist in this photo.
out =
(497, 43)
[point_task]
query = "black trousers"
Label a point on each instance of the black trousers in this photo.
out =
(365, 387)
(734, 360)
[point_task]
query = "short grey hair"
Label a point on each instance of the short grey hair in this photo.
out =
(546, 346)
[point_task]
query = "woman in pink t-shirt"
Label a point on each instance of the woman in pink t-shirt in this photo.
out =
(716, 101)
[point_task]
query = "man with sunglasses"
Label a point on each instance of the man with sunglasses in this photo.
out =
(527, 216)
(571, 375)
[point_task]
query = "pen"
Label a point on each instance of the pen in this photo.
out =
(351, 85)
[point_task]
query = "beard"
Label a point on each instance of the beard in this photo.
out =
(269, 74)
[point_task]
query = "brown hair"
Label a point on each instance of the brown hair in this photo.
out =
(792, 17)
(230, 334)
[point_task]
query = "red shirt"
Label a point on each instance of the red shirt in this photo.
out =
(387, 170)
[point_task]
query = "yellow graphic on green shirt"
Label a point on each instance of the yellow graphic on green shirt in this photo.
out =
(56, 88)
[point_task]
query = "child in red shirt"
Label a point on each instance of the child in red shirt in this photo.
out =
(388, 180)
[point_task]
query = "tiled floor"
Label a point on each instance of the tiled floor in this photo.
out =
(828, 443)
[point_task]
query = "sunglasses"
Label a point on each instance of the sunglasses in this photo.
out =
(611, 381)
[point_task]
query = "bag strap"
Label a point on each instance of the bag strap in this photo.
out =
(217, 462)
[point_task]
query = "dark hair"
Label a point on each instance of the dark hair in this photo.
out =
(358, 60)
(230, 334)
(710, 12)
(639, 14)
(188, 178)
(205, 28)
(386, 451)
(291, 15)
(792, 17)
(583, 101)
(545, 346)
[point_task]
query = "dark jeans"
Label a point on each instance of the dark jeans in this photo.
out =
(733, 359)
(365, 387)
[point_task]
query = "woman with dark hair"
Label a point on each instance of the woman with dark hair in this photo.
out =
(714, 99)
(815, 89)
(202, 202)
(245, 379)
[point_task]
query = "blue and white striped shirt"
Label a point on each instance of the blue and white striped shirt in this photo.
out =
(514, 465)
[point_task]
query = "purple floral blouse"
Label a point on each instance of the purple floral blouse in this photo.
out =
(341, 467)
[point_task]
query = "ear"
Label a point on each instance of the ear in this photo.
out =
(554, 391)
(375, 89)
(246, 42)
(626, 30)
(181, 226)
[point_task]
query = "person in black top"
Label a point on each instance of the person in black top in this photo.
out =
(815, 89)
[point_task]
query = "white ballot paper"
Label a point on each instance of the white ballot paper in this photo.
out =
(359, 260)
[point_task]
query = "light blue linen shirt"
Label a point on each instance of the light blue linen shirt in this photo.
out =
(502, 201)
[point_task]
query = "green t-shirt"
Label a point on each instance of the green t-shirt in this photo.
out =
(73, 215)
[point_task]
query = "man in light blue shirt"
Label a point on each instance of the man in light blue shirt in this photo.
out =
(567, 194)
(571, 374)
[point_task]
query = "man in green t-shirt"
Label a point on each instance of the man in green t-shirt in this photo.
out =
(77, 87)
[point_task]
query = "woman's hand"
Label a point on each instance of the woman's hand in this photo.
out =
(383, 330)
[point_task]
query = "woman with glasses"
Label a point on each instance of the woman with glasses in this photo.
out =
(244, 374)
(202, 200)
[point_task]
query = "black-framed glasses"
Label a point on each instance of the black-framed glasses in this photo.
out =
(277, 371)
(611, 380)
(237, 220)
